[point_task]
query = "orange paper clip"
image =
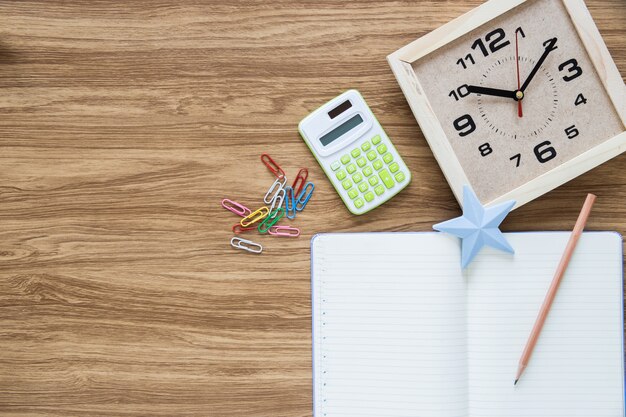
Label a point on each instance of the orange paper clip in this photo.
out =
(272, 166)
(235, 207)
(288, 231)
(255, 216)
(298, 183)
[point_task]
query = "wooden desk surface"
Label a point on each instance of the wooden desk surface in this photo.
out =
(123, 125)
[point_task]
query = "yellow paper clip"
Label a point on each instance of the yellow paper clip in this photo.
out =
(255, 216)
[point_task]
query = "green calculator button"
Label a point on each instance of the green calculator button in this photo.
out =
(394, 167)
(357, 178)
(363, 186)
(382, 149)
(335, 165)
(367, 171)
(341, 175)
(386, 177)
(355, 152)
(346, 184)
(369, 196)
(376, 140)
(373, 180)
(358, 203)
(388, 158)
(353, 193)
(366, 146)
(400, 176)
(371, 155)
(345, 159)
(379, 190)
(361, 162)
(377, 164)
(351, 168)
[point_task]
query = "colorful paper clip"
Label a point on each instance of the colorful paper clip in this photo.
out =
(305, 196)
(245, 244)
(274, 189)
(287, 231)
(238, 229)
(290, 203)
(303, 174)
(235, 207)
(272, 166)
(255, 216)
(271, 220)
(278, 200)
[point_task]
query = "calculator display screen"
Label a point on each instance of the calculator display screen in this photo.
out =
(340, 130)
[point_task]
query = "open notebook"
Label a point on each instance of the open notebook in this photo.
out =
(400, 330)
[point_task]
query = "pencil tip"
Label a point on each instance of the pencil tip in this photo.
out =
(515, 383)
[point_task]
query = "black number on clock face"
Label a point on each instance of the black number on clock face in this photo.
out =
(460, 92)
(520, 31)
(550, 44)
(485, 149)
(461, 61)
(494, 38)
(517, 157)
(464, 125)
(573, 68)
(544, 152)
(580, 99)
(571, 132)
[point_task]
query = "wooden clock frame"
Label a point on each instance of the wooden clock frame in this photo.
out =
(401, 64)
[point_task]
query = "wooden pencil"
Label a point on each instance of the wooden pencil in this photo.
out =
(560, 271)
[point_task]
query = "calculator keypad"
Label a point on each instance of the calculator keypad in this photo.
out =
(368, 165)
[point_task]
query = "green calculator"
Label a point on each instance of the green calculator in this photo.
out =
(354, 152)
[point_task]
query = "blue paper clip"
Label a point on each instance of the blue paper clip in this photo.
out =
(290, 203)
(305, 196)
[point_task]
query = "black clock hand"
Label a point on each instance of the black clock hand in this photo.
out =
(491, 91)
(549, 48)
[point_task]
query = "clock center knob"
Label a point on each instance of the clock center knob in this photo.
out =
(519, 95)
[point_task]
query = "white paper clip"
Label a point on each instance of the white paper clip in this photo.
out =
(248, 245)
(278, 200)
(274, 189)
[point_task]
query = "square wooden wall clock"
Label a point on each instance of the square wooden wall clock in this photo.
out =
(515, 97)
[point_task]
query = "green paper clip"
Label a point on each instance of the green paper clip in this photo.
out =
(271, 220)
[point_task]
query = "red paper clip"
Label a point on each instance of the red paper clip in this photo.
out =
(239, 229)
(303, 174)
(272, 166)
(288, 231)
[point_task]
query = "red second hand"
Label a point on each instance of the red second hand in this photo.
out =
(519, 102)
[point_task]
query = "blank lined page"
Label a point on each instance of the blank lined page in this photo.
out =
(389, 336)
(577, 366)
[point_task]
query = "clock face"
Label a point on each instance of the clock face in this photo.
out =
(517, 97)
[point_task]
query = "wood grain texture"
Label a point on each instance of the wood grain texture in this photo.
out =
(123, 125)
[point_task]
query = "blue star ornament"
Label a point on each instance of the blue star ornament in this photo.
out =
(478, 226)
